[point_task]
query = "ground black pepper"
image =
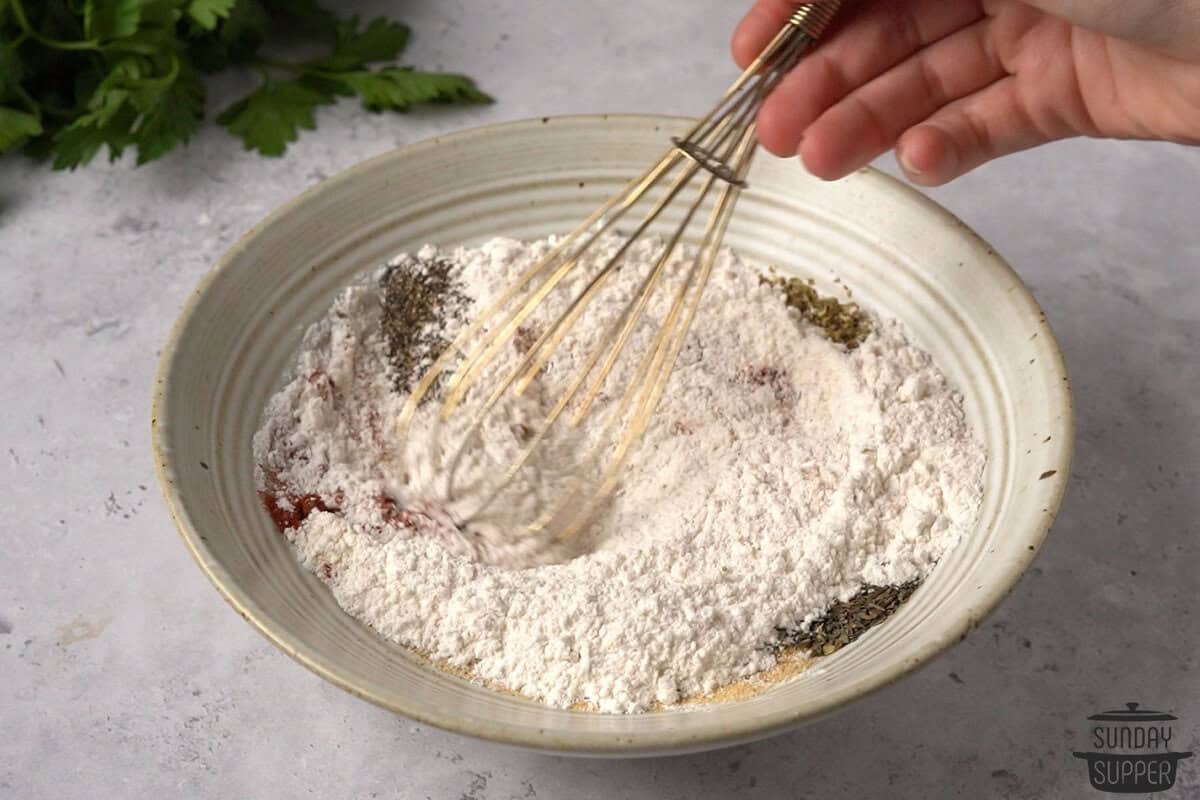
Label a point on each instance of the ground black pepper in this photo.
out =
(417, 294)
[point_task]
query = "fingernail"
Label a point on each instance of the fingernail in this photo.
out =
(907, 165)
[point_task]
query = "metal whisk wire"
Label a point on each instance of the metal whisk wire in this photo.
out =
(720, 145)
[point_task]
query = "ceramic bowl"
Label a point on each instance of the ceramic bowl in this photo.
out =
(902, 255)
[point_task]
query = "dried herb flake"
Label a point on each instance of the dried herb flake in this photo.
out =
(845, 622)
(843, 322)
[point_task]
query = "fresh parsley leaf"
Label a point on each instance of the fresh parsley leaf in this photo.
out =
(161, 13)
(132, 106)
(398, 88)
(77, 76)
(123, 84)
(354, 48)
(172, 120)
(111, 19)
(307, 18)
(237, 39)
(273, 115)
(326, 85)
(16, 127)
(205, 13)
(11, 70)
(78, 143)
(157, 44)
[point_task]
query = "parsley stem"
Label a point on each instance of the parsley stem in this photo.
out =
(28, 31)
(298, 69)
(131, 47)
(165, 81)
(30, 103)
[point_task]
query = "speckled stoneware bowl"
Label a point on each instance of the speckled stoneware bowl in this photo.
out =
(902, 255)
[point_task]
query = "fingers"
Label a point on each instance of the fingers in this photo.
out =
(967, 133)
(877, 35)
(867, 122)
(758, 27)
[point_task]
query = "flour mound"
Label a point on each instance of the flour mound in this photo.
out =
(781, 474)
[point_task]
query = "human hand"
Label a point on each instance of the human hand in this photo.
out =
(951, 84)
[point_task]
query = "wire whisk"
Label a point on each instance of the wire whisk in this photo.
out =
(525, 490)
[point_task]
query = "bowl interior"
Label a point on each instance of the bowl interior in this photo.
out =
(901, 255)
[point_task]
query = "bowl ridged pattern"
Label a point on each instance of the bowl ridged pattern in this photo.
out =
(901, 254)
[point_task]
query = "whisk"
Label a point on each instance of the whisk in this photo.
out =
(717, 152)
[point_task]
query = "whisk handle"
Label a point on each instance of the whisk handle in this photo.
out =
(813, 19)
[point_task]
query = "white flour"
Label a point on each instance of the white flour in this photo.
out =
(781, 474)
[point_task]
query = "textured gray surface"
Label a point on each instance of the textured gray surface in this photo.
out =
(123, 674)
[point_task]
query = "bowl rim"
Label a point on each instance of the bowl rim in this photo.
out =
(550, 740)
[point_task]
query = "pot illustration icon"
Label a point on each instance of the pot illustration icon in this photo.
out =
(1132, 751)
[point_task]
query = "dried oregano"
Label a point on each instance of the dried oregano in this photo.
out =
(843, 322)
(845, 622)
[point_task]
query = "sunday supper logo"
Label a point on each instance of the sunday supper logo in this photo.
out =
(1132, 751)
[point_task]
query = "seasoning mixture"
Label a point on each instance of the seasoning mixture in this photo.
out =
(790, 491)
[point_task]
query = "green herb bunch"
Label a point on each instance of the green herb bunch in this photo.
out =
(79, 75)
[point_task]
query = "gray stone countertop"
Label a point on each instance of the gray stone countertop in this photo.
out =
(123, 673)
